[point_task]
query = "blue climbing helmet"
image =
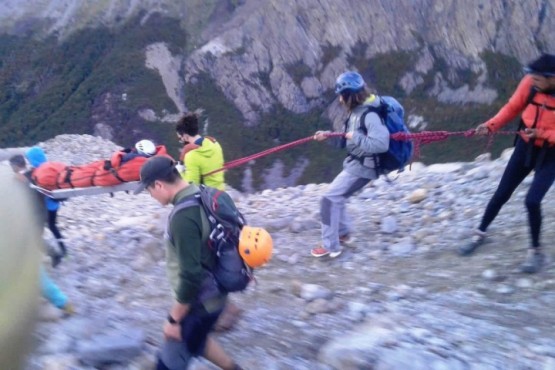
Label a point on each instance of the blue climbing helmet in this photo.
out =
(35, 156)
(349, 82)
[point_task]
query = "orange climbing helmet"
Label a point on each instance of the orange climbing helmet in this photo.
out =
(255, 246)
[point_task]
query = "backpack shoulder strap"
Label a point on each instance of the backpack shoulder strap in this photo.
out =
(530, 100)
(380, 110)
(187, 202)
(531, 95)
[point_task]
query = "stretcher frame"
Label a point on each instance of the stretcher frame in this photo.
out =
(93, 190)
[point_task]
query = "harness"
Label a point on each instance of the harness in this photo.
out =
(531, 143)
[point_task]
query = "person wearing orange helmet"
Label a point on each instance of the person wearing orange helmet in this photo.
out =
(198, 302)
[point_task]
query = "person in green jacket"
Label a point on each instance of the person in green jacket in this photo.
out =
(203, 155)
(198, 302)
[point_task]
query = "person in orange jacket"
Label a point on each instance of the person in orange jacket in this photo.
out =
(534, 99)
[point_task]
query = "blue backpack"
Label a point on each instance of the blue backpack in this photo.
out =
(399, 153)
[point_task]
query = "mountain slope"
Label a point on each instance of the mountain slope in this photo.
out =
(124, 69)
(398, 294)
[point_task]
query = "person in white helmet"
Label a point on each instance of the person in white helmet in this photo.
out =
(143, 148)
(146, 147)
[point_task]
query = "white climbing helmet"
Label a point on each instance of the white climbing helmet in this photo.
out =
(146, 147)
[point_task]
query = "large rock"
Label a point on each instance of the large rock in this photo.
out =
(115, 347)
(418, 196)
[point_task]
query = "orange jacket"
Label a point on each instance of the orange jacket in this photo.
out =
(517, 105)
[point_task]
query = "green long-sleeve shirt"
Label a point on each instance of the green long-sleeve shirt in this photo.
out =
(186, 250)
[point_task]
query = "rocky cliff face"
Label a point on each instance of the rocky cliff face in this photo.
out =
(273, 37)
(263, 56)
(263, 53)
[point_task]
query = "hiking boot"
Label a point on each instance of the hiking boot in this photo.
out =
(347, 240)
(335, 254)
(319, 251)
(476, 241)
(533, 262)
(62, 247)
(68, 309)
(56, 260)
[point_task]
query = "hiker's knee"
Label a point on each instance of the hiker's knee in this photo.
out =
(532, 203)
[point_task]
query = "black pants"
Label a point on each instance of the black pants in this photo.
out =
(522, 162)
(54, 228)
(195, 328)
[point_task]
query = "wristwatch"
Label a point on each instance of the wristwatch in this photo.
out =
(171, 320)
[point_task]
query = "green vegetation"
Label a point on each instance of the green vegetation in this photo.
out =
(385, 70)
(298, 71)
(48, 88)
(329, 53)
(504, 72)
(456, 117)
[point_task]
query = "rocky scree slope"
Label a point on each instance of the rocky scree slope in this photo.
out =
(398, 297)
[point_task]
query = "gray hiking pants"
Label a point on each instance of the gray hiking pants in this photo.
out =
(335, 221)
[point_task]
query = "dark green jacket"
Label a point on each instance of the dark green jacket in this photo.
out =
(188, 257)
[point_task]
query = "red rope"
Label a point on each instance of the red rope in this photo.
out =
(427, 137)
(418, 138)
(241, 161)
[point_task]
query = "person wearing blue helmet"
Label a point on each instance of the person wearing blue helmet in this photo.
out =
(360, 142)
(36, 157)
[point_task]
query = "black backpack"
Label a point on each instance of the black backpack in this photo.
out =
(224, 223)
